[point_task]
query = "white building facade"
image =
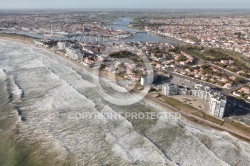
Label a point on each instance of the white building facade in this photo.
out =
(61, 45)
(217, 102)
(73, 54)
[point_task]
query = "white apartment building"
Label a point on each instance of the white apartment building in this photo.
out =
(217, 102)
(73, 53)
(201, 91)
(149, 79)
(143, 81)
(170, 89)
(61, 45)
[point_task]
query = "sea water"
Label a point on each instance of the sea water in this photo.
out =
(44, 100)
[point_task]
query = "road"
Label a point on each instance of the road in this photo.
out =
(226, 92)
(228, 72)
(199, 120)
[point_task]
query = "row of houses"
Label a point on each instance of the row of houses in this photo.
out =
(217, 102)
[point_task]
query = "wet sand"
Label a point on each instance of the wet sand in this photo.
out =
(155, 102)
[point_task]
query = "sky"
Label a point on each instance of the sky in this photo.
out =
(80, 4)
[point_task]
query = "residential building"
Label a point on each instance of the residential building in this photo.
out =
(217, 102)
(61, 45)
(73, 53)
(170, 89)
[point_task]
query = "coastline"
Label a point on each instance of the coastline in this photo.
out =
(197, 120)
(149, 100)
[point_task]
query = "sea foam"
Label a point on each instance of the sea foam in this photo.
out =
(56, 89)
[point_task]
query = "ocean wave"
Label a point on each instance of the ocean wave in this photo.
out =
(2, 74)
(55, 88)
(16, 90)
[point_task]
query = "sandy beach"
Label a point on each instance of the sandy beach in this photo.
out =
(50, 97)
(150, 100)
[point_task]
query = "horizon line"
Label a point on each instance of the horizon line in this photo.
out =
(198, 8)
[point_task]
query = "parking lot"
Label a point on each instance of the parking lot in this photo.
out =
(239, 113)
(182, 82)
(237, 110)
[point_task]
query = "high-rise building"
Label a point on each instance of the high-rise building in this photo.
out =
(170, 89)
(61, 45)
(217, 104)
(73, 54)
(149, 79)
(217, 101)
(143, 81)
(201, 91)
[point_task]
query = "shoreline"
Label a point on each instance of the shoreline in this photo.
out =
(197, 120)
(149, 100)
